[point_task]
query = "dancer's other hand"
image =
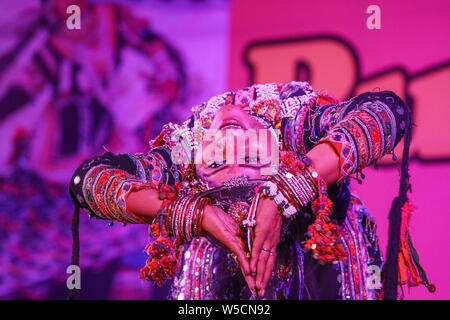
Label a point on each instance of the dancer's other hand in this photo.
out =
(267, 237)
(225, 232)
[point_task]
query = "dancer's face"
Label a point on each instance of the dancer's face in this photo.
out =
(232, 127)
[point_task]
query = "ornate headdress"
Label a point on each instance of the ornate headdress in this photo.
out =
(268, 103)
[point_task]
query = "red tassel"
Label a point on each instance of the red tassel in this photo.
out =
(163, 256)
(324, 241)
(164, 253)
(410, 271)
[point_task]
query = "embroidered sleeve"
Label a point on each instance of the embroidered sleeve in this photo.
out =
(361, 130)
(101, 184)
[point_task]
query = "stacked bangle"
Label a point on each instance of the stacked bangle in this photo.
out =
(184, 216)
(294, 186)
(270, 189)
(179, 216)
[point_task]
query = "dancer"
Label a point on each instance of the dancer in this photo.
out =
(270, 216)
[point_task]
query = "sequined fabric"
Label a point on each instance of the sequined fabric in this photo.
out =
(209, 272)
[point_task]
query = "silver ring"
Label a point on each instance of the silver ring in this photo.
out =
(269, 251)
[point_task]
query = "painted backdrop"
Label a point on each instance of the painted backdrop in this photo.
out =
(66, 95)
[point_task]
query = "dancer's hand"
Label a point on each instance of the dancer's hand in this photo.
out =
(225, 232)
(267, 237)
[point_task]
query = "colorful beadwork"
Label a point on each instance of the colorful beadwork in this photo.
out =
(239, 212)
